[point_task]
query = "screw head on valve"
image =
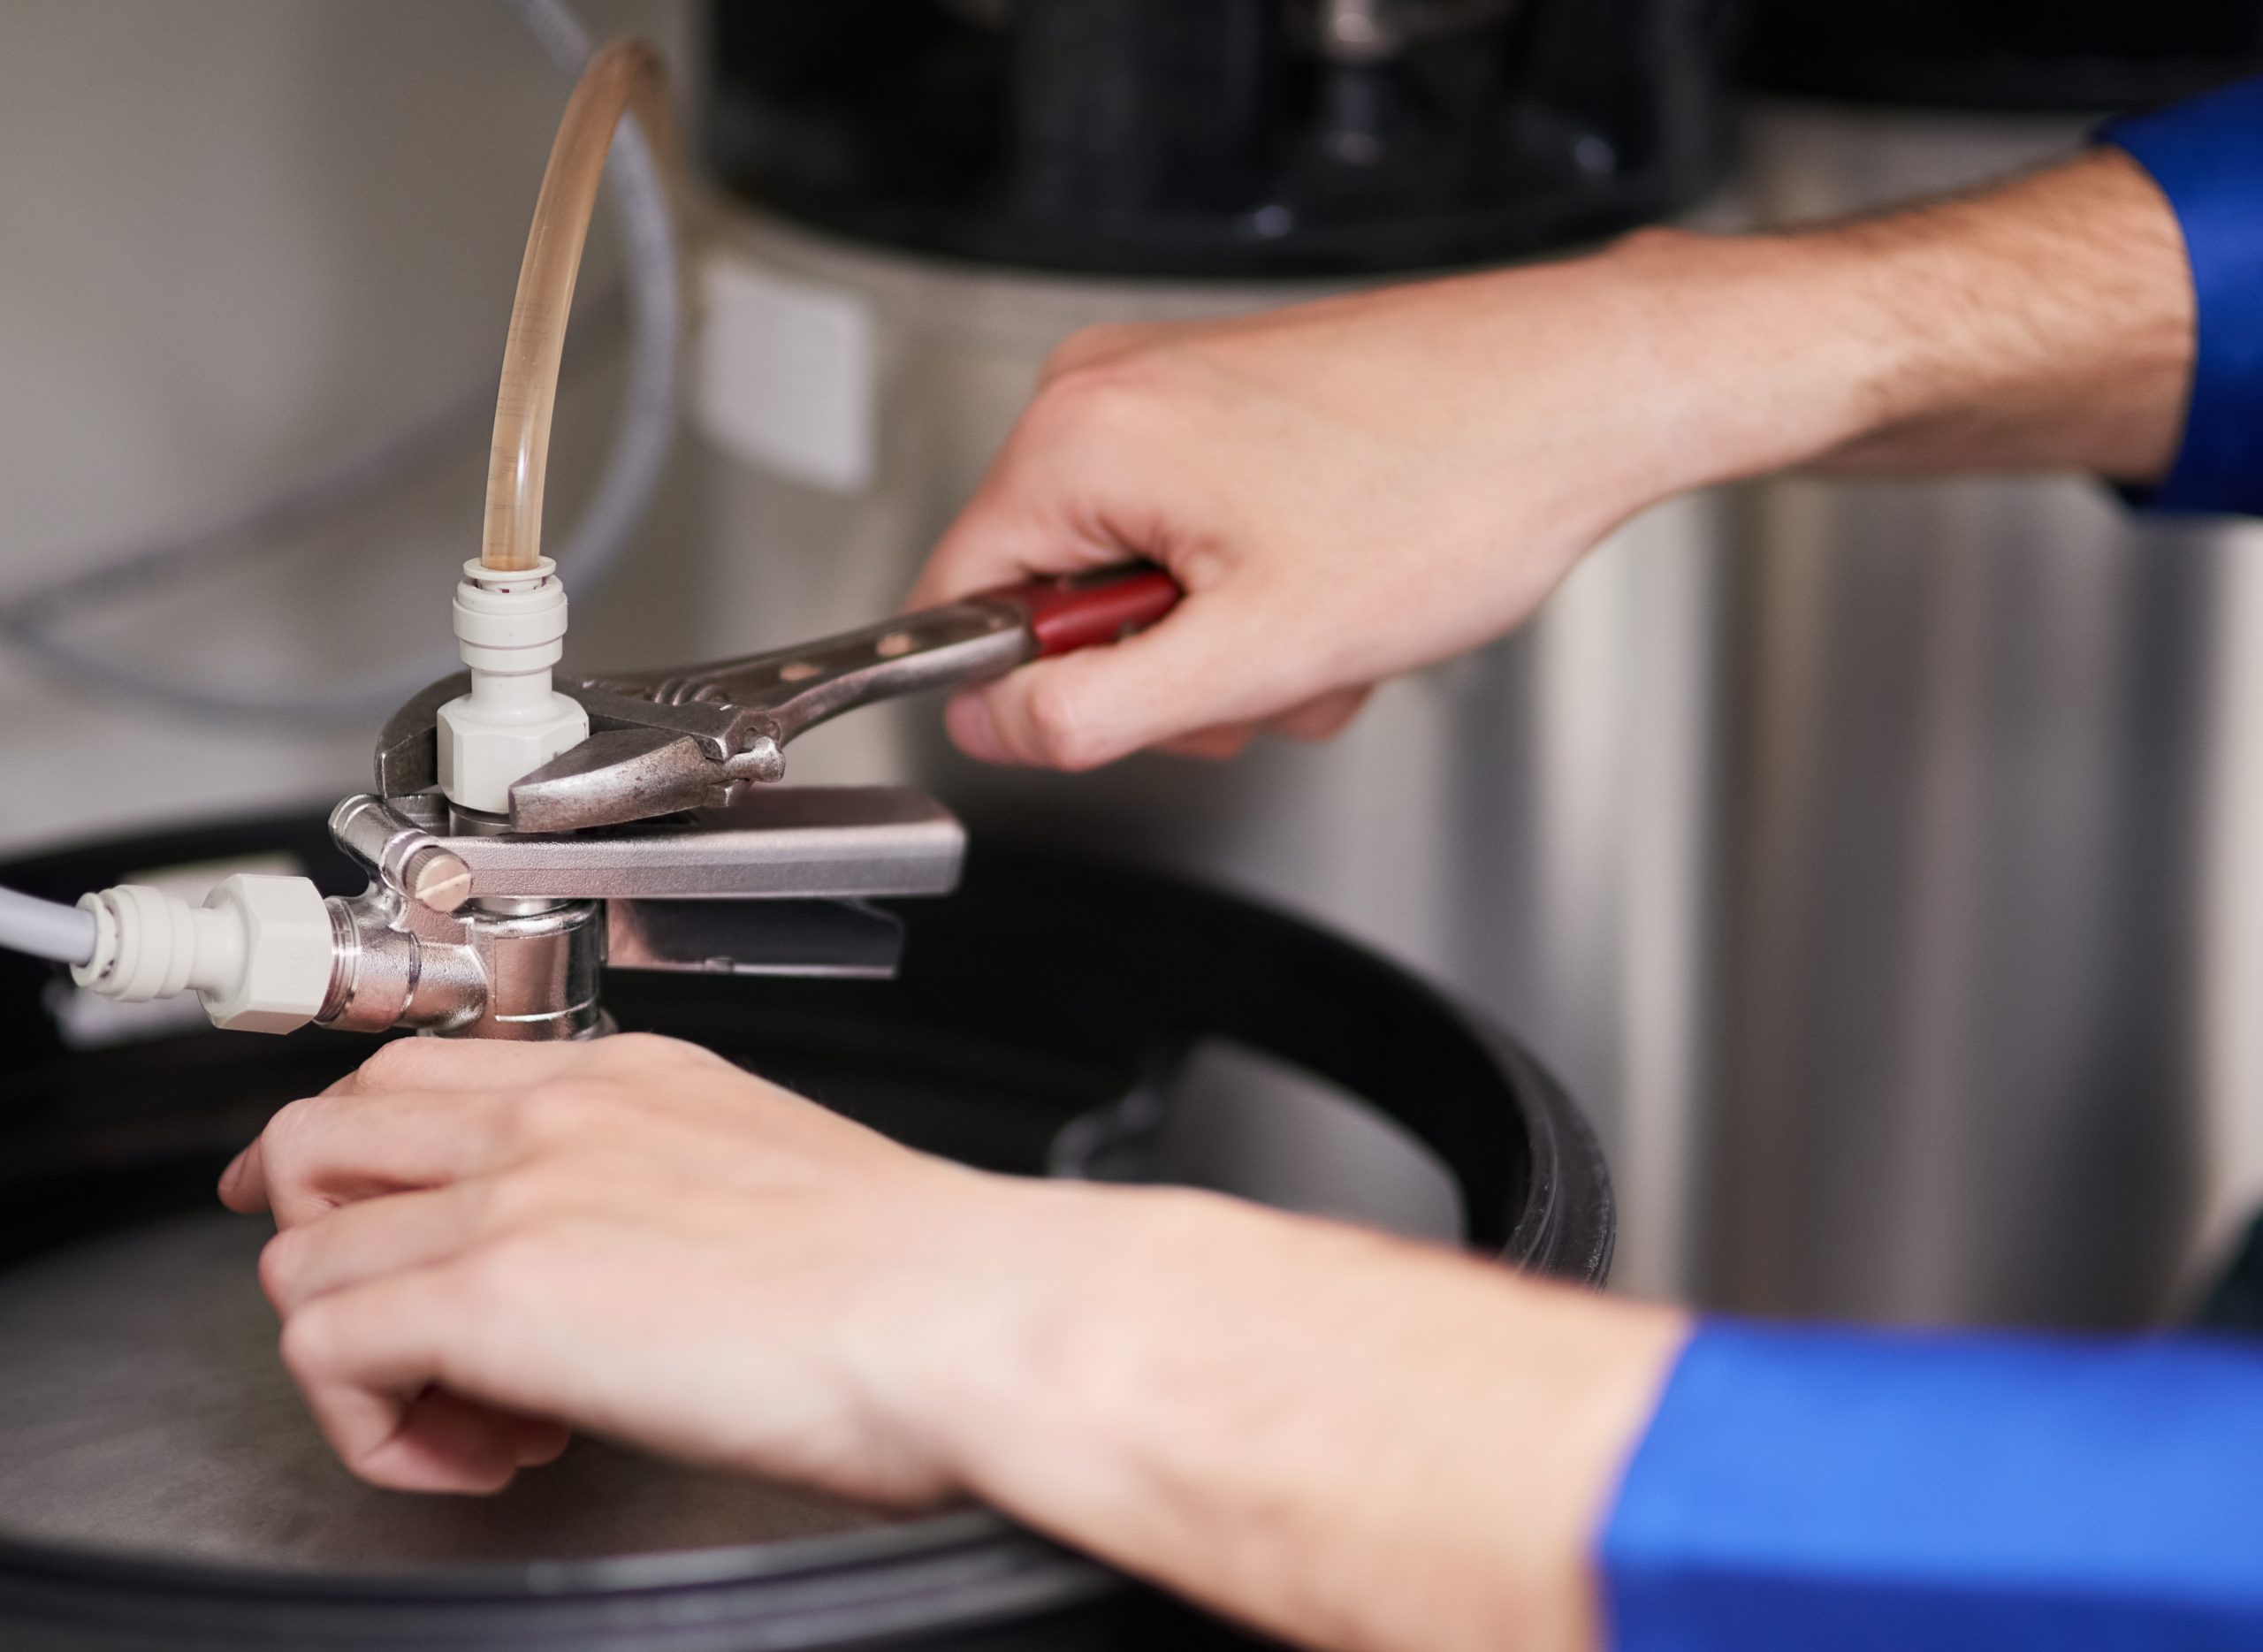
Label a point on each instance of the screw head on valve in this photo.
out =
(437, 878)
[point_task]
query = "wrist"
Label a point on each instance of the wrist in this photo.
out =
(2047, 323)
(1285, 1418)
(1758, 353)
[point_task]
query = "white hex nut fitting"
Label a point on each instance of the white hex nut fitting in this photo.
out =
(512, 629)
(259, 952)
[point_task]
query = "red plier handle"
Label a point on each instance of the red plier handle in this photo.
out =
(1068, 612)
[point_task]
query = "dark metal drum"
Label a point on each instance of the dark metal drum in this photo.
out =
(160, 1486)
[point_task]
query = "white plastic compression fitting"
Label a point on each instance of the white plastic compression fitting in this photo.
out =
(260, 952)
(512, 629)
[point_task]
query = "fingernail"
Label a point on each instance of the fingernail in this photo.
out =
(235, 1169)
(972, 728)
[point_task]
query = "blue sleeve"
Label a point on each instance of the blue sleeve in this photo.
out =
(2207, 158)
(1885, 1492)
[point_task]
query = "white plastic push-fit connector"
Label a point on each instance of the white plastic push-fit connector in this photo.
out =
(512, 629)
(259, 952)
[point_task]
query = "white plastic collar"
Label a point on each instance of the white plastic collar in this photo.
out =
(511, 627)
(259, 952)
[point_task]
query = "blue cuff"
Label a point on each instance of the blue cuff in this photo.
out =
(2207, 158)
(1856, 1491)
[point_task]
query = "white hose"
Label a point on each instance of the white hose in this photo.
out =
(64, 933)
(643, 436)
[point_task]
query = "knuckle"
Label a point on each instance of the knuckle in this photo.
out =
(579, 1107)
(279, 1261)
(1087, 346)
(532, 1192)
(557, 1113)
(1057, 723)
(493, 1204)
(521, 1124)
(289, 1121)
(285, 1135)
(395, 1063)
(649, 1049)
(312, 1347)
(500, 1272)
(1094, 399)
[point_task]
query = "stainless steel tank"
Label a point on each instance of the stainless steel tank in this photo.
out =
(1994, 916)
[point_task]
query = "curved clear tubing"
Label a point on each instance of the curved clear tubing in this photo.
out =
(623, 76)
(601, 538)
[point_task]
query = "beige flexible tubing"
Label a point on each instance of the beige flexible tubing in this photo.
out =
(622, 78)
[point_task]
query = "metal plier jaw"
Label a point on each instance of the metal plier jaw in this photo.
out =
(657, 843)
(665, 741)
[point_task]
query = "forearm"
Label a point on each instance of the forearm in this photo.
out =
(1343, 1439)
(1354, 489)
(2046, 323)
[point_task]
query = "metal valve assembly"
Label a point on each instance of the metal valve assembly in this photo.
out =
(651, 841)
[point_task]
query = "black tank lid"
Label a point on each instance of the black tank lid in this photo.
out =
(1209, 138)
(2010, 56)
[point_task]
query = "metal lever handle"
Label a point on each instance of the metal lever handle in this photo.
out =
(801, 842)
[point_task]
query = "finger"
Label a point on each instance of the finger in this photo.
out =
(445, 1444)
(1209, 664)
(330, 1150)
(536, 1440)
(1323, 717)
(1320, 719)
(479, 1438)
(373, 1363)
(357, 1242)
(382, 1237)
(1213, 745)
(243, 1184)
(966, 719)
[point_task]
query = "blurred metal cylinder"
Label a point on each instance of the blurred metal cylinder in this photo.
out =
(1528, 824)
(1981, 1058)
